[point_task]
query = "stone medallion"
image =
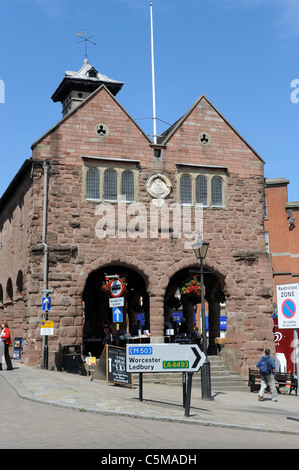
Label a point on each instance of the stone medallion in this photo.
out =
(159, 187)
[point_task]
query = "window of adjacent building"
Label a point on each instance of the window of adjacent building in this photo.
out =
(206, 189)
(110, 184)
(267, 241)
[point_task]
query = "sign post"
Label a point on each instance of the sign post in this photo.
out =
(45, 328)
(155, 357)
(288, 313)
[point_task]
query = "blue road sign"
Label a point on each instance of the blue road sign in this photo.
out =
(46, 304)
(117, 314)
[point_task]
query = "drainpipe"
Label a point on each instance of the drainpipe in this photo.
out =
(46, 167)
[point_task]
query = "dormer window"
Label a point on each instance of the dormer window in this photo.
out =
(92, 73)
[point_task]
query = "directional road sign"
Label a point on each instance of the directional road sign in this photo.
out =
(117, 314)
(155, 357)
(46, 303)
(288, 305)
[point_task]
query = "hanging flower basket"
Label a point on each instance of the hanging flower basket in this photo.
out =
(106, 286)
(191, 290)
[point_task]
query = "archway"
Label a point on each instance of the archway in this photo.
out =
(97, 310)
(188, 306)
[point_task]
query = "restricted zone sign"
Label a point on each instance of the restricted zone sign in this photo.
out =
(156, 357)
(288, 305)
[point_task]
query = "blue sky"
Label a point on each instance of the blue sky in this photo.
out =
(242, 54)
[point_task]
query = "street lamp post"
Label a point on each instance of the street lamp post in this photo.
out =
(200, 250)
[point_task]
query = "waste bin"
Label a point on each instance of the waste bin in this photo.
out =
(72, 360)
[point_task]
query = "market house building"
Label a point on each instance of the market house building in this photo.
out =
(98, 197)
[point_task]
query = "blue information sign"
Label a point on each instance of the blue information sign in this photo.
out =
(46, 303)
(117, 314)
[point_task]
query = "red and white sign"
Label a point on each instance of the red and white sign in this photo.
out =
(116, 287)
(288, 305)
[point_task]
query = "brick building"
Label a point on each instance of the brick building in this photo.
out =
(98, 197)
(282, 241)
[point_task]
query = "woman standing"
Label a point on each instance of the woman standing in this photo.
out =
(5, 337)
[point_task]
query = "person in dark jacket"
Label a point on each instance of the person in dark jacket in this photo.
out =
(268, 377)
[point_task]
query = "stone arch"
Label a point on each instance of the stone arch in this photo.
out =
(126, 261)
(215, 291)
(96, 303)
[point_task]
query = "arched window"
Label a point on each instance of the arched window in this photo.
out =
(186, 189)
(201, 190)
(19, 282)
(93, 183)
(110, 185)
(127, 186)
(217, 191)
(9, 289)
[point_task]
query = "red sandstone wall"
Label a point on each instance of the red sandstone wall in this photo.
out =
(235, 233)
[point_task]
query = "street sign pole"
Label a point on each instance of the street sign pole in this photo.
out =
(206, 393)
(46, 351)
(188, 395)
(46, 306)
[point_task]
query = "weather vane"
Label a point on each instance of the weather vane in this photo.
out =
(86, 40)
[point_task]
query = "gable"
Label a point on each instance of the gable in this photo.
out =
(99, 104)
(83, 127)
(205, 117)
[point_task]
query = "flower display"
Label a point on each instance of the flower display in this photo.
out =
(191, 289)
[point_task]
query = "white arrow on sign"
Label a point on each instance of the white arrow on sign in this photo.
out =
(155, 357)
(117, 314)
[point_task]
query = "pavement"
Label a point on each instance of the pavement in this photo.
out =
(227, 409)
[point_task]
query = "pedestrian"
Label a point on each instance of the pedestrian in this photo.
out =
(183, 329)
(107, 333)
(266, 366)
(5, 337)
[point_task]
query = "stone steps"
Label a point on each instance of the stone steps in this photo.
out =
(221, 378)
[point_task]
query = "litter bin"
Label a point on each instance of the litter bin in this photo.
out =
(72, 360)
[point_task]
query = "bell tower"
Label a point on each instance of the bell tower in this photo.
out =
(77, 86)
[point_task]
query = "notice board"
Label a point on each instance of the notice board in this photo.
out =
(112, 367)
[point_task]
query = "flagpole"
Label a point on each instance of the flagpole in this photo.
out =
(153, 76)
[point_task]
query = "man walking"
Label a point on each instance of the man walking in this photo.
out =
(266, 365)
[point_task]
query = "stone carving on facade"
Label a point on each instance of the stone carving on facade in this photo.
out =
(158, 186)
